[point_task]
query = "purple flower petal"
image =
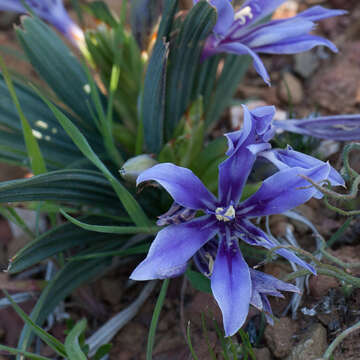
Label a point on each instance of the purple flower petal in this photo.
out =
(316, 13)
(52, 11)
(253, 235)
(296, 45)
(181, 183)
(225, 17)
(241, 49)
(243, 147)
(173, 247)
(231, 285)
(338, 127)
(284, 191)
(289, 158)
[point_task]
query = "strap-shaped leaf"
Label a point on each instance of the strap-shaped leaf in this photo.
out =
(153, 102)
(112, 229)
(60, 239)
(70, 277)
(72, 186)
(72, 343)
(133, 208)
(34, 153)
(54, 343)
(55, 63)
(183, 60)
(233, 71)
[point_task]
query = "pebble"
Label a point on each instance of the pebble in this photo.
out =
(279, 337)
(312, 346)
(290, 89)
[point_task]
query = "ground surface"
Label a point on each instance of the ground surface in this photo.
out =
(317, 81)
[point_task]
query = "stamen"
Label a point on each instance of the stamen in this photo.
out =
(242, 14)
(227, 214)
(211, 263)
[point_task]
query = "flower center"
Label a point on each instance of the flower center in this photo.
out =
(242, 14)
(226, 214)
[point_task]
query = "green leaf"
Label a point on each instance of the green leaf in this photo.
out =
(72, 344)
(55, 63)
(47, 338)
(58, 240)
(23, 353)
(183, 60)
(102, 351)
(155, 319)
(36, 159)
(101, 11)
(141, 249)
(153, 100)
(91, 188)
(233, 71)
(130, 204)
(112, 229)
(198, 281)
(70, 277)
(167, 19)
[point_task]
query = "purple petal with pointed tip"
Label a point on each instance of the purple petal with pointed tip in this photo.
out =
(289, 158)
(253, 235)
(231, 285)
(181, 183)
(337, 127)
(283, 191)
(243, 147)
(173, 247)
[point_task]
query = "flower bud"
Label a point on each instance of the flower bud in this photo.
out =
(136, 165)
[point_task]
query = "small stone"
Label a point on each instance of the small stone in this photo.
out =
(306, 63)
(262, 354)
(290, 89)
(279, 337)
(312, 346)
(321, 284)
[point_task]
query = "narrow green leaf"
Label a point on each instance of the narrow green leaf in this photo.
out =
(155, 319)
(141, 249)
(101, 11)
(102, 351)
(22, 353)
(188, 338)
(233, 71)
(153, 100)
(57, 65)
(72, 344)
(47, 338)
(130, 204)
(112, 229)
(70, 277)
(183, 62)
(36, 159)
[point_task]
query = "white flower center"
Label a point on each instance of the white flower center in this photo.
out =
(227, 214)
(244, 13)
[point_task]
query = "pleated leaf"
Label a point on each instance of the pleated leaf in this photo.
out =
(183, 60)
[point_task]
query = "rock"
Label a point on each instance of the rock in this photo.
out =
(321, 284)
(262, 354)
(279, 337)
(306, 63)
(312, 346)
(290, 89)
(337, 86)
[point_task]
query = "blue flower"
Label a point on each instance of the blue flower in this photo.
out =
(213, 236)
(52, 11)
(243, 31)
(336, 127)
